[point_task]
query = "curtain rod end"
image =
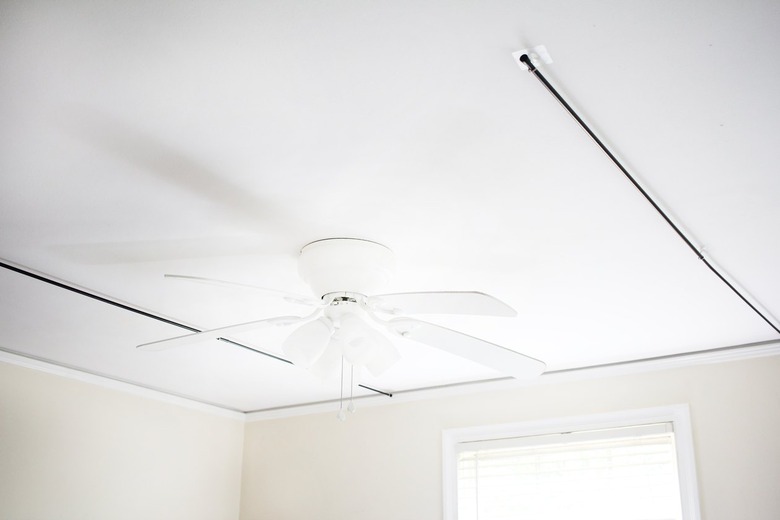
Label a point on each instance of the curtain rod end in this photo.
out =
(531, 58)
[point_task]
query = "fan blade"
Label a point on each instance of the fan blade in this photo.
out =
(288, 297)
(189, 339)
(480, 351)
(452, 302)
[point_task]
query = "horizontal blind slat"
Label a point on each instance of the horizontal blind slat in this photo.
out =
(623, 478)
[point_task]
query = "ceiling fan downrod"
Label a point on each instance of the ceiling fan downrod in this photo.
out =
(528, 62)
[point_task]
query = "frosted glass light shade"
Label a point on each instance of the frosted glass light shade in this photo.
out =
(354, 336)
(359, 351)
(328, 365)
(364, 346)
(307, 343)
(384, 355)
(319, 347)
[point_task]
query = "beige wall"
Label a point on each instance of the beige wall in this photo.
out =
(385, 462)
(71, 450)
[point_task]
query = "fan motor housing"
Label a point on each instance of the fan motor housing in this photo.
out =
(346, 265)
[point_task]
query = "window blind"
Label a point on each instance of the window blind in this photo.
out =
(613, 474)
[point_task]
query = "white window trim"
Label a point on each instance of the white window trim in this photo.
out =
(678, 415)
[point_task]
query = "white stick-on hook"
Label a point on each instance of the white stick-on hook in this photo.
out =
(537, 55)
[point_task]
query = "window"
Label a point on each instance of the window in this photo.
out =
(634, 465)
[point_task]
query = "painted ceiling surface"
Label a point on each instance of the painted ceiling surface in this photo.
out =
(215, 139)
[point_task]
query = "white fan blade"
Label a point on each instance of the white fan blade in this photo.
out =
(480, 351)
(288, 297)
(452, 302)
(189, 339)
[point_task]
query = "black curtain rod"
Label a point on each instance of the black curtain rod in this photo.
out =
(533, 70)
(388, 394)
(125, 307)
(96, 297)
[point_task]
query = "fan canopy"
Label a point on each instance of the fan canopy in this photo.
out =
(346, 265)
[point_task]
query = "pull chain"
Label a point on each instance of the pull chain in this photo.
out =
(341, 415)
(351, 406)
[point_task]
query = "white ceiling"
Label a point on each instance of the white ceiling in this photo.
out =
(216, 138)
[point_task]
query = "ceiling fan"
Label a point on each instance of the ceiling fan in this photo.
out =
(351, 323)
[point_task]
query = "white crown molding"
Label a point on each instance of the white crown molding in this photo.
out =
(113, 384)
(721, 355)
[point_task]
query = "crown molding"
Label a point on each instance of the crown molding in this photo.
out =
(719, 355)
(713, 356)
(48, 367)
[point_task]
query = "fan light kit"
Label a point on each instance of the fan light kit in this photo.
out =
(346, 326)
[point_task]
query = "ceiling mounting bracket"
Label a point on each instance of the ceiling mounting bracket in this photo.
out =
(530, 60)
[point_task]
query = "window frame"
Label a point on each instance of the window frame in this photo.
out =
(678, 415)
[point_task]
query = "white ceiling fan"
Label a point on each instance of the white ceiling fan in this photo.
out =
(349, 322)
